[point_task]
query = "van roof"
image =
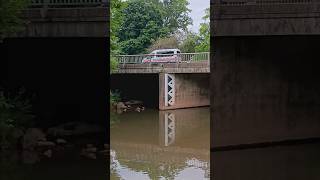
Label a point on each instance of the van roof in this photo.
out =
(160, 50)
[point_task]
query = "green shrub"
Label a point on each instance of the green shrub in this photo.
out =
(15, 112)
(113, 64)
(115, 97)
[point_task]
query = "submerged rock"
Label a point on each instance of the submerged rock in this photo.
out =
(91, 156)
(133, 102)
(48, 153)
(89, 145)
(32, 137)
(17, 133)
(106, 146)
(61, 141)
(45, 143)
(92, 149)
(30, 157)
(138, 109)
(121, 105)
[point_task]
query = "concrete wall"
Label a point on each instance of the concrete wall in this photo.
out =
(279, 163)
(265, 89)
(191, 90)
(261, 18)
(66, 22)
(68, 76)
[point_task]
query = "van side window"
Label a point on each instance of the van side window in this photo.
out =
(166, 53)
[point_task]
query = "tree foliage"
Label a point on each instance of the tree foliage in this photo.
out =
(115, 21)
(176, 15)
(142, 24)
(164, 43)
(189, 43)
(198, 42)
(146, 21)
(204, 34)
(10, 21)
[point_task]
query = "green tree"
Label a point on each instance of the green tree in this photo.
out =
(189, 44)
(176, 15)
(115, 21)
(142, 24)
(204, 34)
(10, 22)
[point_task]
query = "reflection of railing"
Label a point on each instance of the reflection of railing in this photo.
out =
(163, 58)
(63, 3)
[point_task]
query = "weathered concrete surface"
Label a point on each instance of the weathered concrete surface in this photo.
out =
(191, 90)
(272, 18)
(278, 163)
(66, 22)
(194, 67)
(265, 89)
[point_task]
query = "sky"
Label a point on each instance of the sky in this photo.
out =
(197, 12)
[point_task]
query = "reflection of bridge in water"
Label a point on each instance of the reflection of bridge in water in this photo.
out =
(177, 147)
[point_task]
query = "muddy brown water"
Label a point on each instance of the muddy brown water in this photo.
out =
(169, 145)
(154, 144)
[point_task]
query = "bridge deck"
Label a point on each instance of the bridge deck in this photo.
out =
(164, 63)
(194, 67)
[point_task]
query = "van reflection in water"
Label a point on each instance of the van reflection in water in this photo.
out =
(154, 144)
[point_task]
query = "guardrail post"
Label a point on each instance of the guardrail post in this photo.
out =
(46, 3)
(44, 9)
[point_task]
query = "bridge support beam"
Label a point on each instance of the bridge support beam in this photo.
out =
(183, 90)
(265, 89)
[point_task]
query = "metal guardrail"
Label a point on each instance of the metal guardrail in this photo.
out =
(163, 58)
(64, 3)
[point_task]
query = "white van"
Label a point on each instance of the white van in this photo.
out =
(163, 55)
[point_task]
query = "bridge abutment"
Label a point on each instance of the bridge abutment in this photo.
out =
(164, 90)
(178, 91)
(265, 89)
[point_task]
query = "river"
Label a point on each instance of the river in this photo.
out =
(154, 144)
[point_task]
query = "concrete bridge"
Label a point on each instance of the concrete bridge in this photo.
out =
(264, 79)
(176, 85)
(63, 46)
(66, 18)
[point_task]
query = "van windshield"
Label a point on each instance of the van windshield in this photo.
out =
(165, 53)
